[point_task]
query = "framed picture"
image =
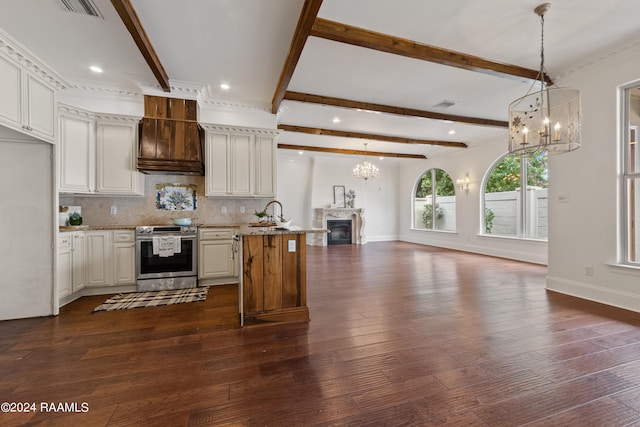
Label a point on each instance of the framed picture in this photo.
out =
(338, 196)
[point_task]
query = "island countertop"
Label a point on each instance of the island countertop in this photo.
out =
(245, 230)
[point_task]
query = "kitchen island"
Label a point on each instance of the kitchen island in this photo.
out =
(273, 283)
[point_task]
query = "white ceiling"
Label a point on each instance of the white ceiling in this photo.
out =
(202, 43)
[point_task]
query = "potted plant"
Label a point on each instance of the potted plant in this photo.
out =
(75, 219)
(262, 215)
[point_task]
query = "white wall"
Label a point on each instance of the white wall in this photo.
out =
(305, 183)
(583, 231)
(26, 227)
(476, 162)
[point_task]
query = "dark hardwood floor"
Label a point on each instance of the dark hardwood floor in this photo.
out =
(400, 334)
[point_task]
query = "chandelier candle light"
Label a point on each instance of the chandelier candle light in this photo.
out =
(366, 169)
(547, 120)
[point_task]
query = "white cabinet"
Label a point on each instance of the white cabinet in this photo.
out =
(240, 162)
(97, 154)
(217, 254)
(75, 154)
(27, 104)
(116, 158)
(124, 255)
(99, 259)
(65, 265)
(71, 263)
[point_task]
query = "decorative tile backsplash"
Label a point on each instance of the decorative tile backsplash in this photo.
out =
(96, 210)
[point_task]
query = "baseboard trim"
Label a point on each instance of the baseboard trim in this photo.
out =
(591, 292)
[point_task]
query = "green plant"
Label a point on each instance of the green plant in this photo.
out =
(488, 220)
(75, 219)
(427, 215)
(260, 214)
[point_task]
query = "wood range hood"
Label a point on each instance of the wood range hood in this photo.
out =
(171, 141)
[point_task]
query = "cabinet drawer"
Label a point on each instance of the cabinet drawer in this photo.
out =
(216, 233)
(64, 240)
(124, 236)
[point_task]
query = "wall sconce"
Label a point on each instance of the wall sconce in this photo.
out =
(463, 183)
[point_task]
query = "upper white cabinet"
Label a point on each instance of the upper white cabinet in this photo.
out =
(97, 154)
(240, 162)
(27, 103)
(76, 153)
(116, 157)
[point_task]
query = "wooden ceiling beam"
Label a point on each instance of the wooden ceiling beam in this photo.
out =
(132, 22)
(305, 22)
(345, 151)
(376, 137)
(347, 103)
(361, 37)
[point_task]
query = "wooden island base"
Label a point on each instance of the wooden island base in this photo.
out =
(274, 282)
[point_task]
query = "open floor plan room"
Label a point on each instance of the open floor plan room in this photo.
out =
(400, 334)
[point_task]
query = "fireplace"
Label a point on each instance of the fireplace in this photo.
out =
(354, 217)
(340, 232)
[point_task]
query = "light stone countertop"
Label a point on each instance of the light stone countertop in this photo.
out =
(244, 229)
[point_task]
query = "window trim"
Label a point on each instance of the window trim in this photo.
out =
(625, 175)
(433, 195)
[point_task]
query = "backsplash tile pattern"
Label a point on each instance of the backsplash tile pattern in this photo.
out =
(96, 210)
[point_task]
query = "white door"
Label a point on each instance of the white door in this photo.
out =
(28, 213)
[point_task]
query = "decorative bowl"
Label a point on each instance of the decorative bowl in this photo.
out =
(283, 224)
(182, 221)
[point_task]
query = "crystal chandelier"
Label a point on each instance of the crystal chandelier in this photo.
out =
(365, 170)
(547, 120)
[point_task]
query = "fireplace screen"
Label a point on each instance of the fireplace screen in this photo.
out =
(340, 232)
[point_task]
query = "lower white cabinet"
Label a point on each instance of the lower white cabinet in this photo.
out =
(99, 258)
(94, 259)
(71, 263)
(124, 256)
(217, 254)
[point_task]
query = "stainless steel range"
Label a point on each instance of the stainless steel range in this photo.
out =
(166, 257)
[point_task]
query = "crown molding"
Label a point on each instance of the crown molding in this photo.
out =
(81, 112)
(12, 49)
(599, 58)
(240, 129)
(92, 89)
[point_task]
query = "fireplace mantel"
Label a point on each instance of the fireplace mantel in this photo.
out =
(357, 217)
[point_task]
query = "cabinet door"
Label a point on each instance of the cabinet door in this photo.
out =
(99, 258)
(116, 158)
(265, 166)
(10, 88)
(65, 266)
(242, 165)
(124, 263)
(217, 164)
(75, 154)
(215, 259)
(39, 109)
(78, 261)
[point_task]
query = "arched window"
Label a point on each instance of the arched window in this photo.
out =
(515, 197)
(434, 189)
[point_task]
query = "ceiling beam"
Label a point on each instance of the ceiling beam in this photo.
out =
(132, 22)
(344, 151)
(347, 103)
(377, 137)
(305, 22)
(343, 33)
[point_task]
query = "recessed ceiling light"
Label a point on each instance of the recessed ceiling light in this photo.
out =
(381, 158)
(300, 153)
(225, 86)
(95, 69)
(451, 132)
(336, 120)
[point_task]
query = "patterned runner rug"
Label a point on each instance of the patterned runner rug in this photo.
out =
(153, 298)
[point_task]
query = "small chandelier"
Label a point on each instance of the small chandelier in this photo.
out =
(365, 170)
(547, 120)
